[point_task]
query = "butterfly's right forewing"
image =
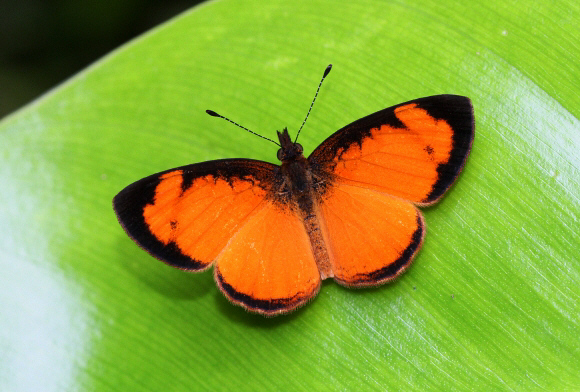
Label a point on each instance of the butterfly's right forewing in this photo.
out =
(186, 216)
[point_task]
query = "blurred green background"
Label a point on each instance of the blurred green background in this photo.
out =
(492, 300)
(44, 42)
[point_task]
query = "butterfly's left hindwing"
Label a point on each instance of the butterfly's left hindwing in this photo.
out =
(371, 237)
(186, 216)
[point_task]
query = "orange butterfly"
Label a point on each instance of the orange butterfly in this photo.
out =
(348, 211)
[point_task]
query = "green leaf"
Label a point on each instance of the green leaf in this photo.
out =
(491, 302)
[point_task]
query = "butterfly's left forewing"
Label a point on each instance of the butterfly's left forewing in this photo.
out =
(414, 150)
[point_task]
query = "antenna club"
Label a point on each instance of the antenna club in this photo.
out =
(212, 113)
(327, 70)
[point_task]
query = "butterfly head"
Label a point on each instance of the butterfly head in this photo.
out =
(289, 150)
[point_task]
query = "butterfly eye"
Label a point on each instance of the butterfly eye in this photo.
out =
(299, 148)
(279, 154)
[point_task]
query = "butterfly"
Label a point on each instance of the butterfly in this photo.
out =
(347, 212)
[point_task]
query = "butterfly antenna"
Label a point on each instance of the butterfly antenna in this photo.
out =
(326, 72)
(212, 113)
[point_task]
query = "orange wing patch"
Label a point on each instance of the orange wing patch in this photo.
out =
(371, 237)
(269, 266)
